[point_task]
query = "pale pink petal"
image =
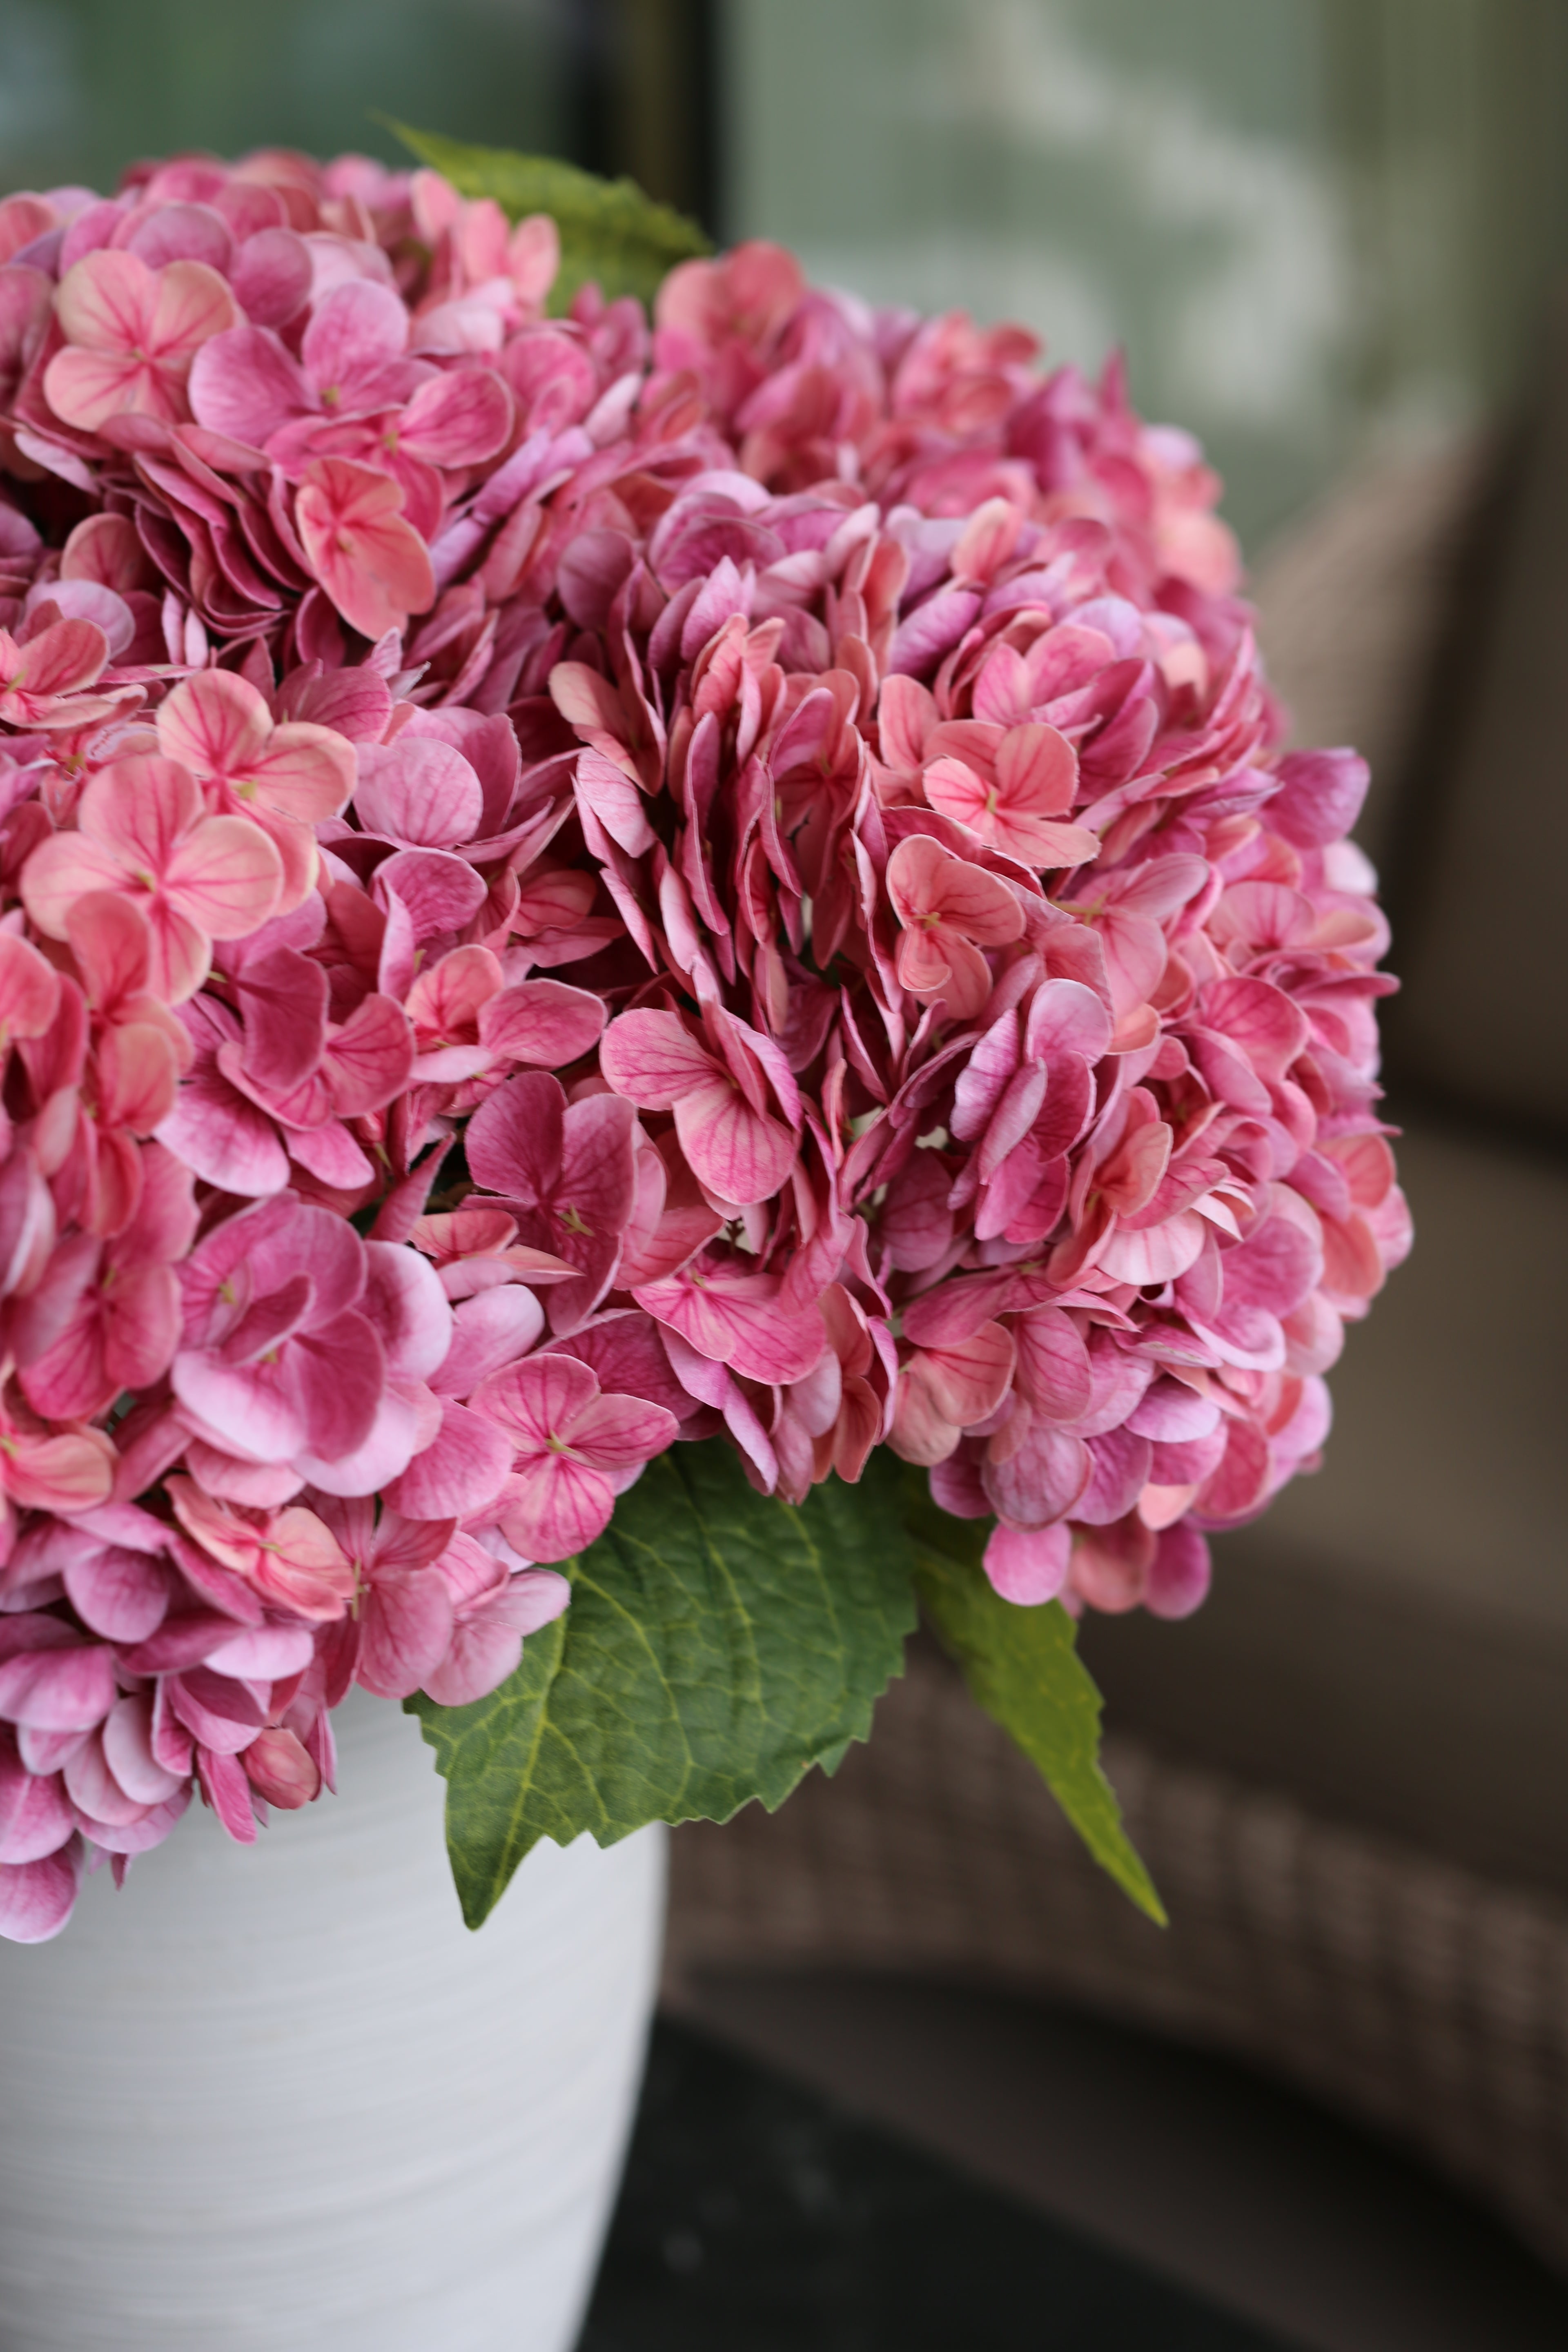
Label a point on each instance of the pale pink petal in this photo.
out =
(107, 302)
(542, 1021)
(488, 1332)
(66, 868)
(461, 1470)
(736, 1152)
(36, 1898)
(214, 723)
(225, 876)
(191, 304)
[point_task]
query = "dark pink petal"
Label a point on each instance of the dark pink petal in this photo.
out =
(279, 1769)
(515, 1138)
(227, 1791)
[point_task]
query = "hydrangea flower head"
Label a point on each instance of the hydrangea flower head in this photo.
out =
(570, 886)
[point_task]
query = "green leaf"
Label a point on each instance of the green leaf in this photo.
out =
(610, 232)
(1022, 1665)
(717, 1646)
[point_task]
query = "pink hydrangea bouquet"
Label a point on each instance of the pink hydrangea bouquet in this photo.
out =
(610, 928)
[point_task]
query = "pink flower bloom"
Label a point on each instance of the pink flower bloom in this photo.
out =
(950, 910)
(565, 1173)
(373, 563)
(285, 779)
(1011, 787)
(493, 1612)
(276, 1357)
(736, 1105)
(132, 333)
(574, 1450)
(973, 1048)
(196, 879)
(43, 680)
(289, 1557)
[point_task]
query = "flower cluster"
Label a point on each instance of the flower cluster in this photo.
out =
(966, 1041)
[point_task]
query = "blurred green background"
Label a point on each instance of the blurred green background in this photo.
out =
(1318, 227)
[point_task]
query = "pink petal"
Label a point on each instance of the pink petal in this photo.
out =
(127, 1737)
(58, 1689)
(373, 565)
(488, 1332)
(542, 1021)
(406, 1631)
(61, 1474)
(536, 1401)
(558, 1506)
(214, 723)
(107, 302)
(458, 419)
(514, 1140)
(653, 1059)
(1029, 1565)
(36, 1898)
(63, 870)
(225, 876)
(123, 1595)
(245, 384)
(355, 328)
(35, 1817)
(738, 1153)
(30, 989)
(621, 1432)
(417, 792)
(280, 1769)
(270, 278)
(191, 305)
(461, 1470)
(368, 1061)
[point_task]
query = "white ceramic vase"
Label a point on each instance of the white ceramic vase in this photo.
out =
(280, 2097)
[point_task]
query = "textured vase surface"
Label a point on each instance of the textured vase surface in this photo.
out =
(280, 2097)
